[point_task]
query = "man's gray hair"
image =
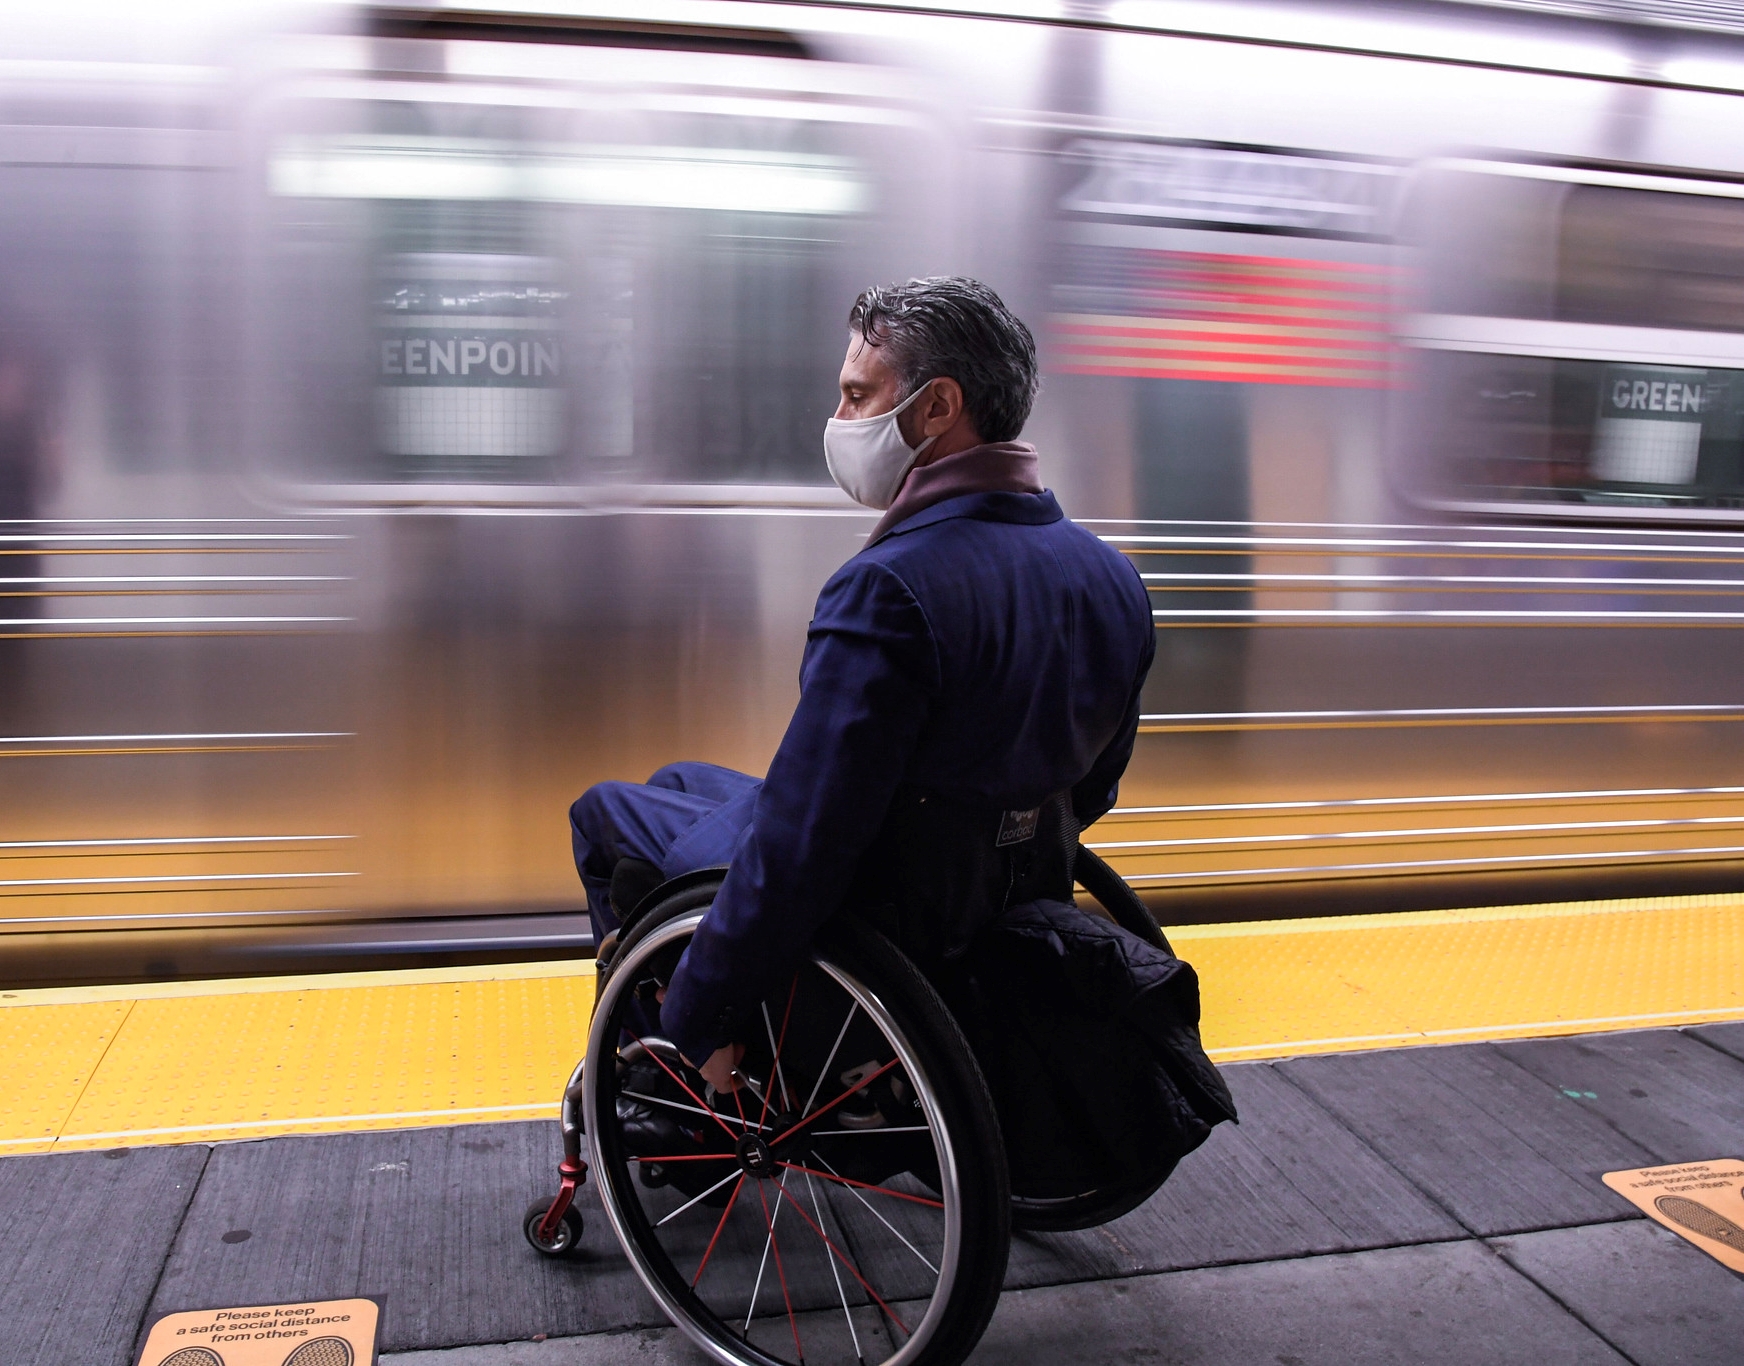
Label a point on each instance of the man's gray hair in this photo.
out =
(955, 327)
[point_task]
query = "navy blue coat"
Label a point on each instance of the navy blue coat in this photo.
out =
(987, 649)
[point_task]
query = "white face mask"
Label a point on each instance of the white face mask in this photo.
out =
(867, 456)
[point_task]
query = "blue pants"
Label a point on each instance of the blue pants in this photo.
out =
(686, 816)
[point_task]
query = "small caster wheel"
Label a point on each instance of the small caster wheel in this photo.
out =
(565, 1242)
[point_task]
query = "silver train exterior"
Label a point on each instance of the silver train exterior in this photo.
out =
(409, 417)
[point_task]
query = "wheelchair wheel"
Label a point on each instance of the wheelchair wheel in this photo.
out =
(849, 1203)
(1067, 1214)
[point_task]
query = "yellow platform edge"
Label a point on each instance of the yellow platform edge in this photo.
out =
(321, 981)
(242, 1059)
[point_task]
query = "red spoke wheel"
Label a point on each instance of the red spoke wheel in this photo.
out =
(848, 1204)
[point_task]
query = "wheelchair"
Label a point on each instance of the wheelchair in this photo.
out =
(852, 1200)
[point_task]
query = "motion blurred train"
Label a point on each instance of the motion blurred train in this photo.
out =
(409, 417)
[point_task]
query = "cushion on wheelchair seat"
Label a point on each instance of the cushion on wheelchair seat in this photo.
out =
(1089, 1039)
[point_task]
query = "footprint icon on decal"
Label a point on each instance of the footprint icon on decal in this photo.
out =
(1698, 1218)
(322, 1352)
(192, 1356)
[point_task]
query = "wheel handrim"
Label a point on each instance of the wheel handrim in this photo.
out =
(880, 1240)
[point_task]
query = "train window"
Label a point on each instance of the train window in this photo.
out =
(1587, 434)
(1642, 259)
(118, 262)
(1587, 355)
(557, 275)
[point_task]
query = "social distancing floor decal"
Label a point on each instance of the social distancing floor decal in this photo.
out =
(1700, 1201)
(313, 1333)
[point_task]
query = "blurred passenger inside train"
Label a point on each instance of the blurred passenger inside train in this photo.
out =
(969, 694)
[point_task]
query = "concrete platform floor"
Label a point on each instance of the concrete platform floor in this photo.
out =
(1438, 1204)
(1452, 1304)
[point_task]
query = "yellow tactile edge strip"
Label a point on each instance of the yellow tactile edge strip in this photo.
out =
(543, 1109)
(1424, 977)
(260, 1059)
(330, 981)
(1480, 915)
(241, 1059)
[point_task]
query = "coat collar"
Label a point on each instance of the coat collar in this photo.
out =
(1029, 509)
(992, 467)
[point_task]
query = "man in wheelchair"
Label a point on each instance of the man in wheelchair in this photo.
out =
(968, 703)
(978, 663)
(887, 1023)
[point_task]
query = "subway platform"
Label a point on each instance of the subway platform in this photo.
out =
(1428, 1105)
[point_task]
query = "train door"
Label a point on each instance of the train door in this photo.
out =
(549, 315)
(1233, 303)
(1358, 700)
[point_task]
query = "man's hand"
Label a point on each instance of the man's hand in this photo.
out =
(719, 1070)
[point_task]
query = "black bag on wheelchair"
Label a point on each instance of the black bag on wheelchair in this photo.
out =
(1088, 1036)
(1089, 1040)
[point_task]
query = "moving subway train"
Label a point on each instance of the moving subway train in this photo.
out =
(409, 417)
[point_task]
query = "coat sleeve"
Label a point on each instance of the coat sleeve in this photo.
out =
(870, 675)
(1094, 795)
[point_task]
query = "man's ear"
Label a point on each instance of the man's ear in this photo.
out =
(942, 407)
